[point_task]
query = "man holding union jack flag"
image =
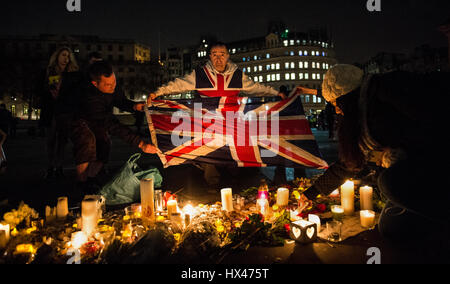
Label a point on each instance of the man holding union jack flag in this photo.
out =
(211, 137)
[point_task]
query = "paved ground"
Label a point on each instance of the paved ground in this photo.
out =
(27, 164)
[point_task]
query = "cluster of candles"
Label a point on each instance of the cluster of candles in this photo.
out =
(347, 207)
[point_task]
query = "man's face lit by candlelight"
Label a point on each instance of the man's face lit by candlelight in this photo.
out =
(219, 57)
(106, 85)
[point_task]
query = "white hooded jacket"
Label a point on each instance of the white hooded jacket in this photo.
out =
(188, 83)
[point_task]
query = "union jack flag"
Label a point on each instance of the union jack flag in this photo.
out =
(259, 132)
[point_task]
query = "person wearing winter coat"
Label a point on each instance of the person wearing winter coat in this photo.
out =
(385, 120)
(95, 122)
(219, 77)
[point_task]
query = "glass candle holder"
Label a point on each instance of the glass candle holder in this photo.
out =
(334, 231)
(338, 212)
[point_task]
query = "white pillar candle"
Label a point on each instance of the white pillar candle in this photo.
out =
(4, 235)
(315, 219)
(367, 219)
(148, 198)
(89, 216)
(227, 199)
(366, 195)
(283, 197)
(171, 207)
(62, 208)
(262, 205)
(348, 197)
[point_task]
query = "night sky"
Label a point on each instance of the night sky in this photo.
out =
(358, 34)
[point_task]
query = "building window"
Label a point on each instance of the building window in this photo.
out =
(314, 99)
(317, 53)
(292, 42)
(319, 100)
(285, 43)
(286, 65)
(268, 67)
(287, 76)
(267, 55)
(268, 78)
(318, 76)
(243, 59)
(273, 77)
(305, 53)
(300, 76)
(272, 66)
(292, 76)
(278, 66)
(249, 69)
(300, 65)
(261, 79)
(278, 77)
(306, 99)
(292, 65)
(255, 57)
(314, 65)
(306, 76)
(255, 68)
(314, 76)
(292, 53)
(260, 68)
(244, 70)
(306, 64)
(255, 79)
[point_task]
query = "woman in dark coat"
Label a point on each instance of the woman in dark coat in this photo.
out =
(61, 62)
(391, 120)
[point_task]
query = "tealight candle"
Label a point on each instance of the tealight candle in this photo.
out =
(171, 207)
(367, 219)
(227, 199)
(283, 197)
(62, 208)
(366, 194)
(338, 212)
(348, 197)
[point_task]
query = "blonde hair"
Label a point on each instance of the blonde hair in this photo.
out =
(52, 67)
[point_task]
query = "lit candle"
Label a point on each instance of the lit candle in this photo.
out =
(367, 219)
(62, 208)
(315, 219)
(348, 197)
(171, 207)
(283, 197)
(148, 198)
(262, 205)
(89, 216)
(4, 235)
(338, 212)
(78, 239)
(366, 194)
(227, 199)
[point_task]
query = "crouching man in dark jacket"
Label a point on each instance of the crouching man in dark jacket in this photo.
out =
(96, 122)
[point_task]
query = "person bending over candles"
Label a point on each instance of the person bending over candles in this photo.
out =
(388, 120)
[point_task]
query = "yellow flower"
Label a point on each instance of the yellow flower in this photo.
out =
(126, 218)
(218, 223)
(177, 237)
(220, 229)
(296, 194)
(160, 219)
